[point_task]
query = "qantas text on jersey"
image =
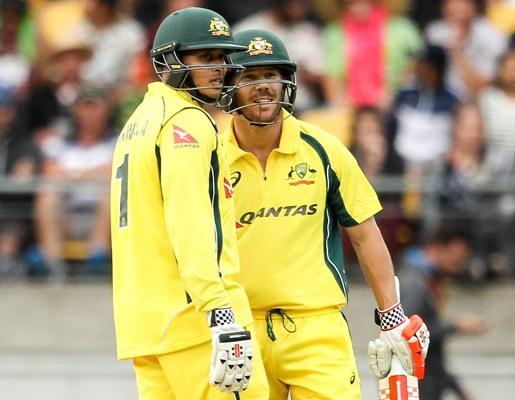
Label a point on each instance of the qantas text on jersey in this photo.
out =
(281, 211)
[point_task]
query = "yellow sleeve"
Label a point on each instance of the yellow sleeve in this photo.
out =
(350, 192)
(187, 148)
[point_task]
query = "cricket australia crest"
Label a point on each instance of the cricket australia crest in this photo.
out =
(218, 27)
(259, 46)
(300, 170)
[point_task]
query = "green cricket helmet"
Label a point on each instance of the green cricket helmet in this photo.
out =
(262, 49)
(190, 29)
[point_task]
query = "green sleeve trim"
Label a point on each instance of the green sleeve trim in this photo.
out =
(334, 207)
(214, 196)
(334, 197)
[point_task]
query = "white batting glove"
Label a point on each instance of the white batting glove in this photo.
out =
(379, 358)
(407, 338)
(231, 364)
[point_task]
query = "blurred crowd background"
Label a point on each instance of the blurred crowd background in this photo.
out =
(421, 91)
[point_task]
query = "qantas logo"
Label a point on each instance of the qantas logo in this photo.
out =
(181, 138)
(249, 217)
(228, 189)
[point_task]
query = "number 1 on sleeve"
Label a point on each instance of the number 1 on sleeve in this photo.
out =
(122, 172)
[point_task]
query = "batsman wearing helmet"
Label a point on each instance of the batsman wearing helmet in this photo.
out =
(294, 185)
(180, 313)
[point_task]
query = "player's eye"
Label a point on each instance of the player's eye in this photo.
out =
(248, 78)
(272, 75)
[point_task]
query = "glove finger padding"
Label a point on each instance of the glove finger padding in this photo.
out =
(379, 358)
(402, 350)
(218, 367)
(232, 358)
(417, 335)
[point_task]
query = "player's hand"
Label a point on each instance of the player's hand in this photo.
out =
(379, 358)
(407, 338)
(231, 364)
(417, 336)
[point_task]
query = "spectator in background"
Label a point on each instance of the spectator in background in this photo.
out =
(370, 146)
(19, 160)
(234, 11)
(497, 105)
(422, 116)
(366, 52)
(116, 40)
(17, 47)
(50, 103)
(53, 20)
(473, 45)
(80, 212)
(422, 279)
(459, 200)
(289, 19)
(377, 159)
(423, 12)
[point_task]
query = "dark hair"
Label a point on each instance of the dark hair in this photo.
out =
(480, 6)
(449, 232)
(19, 5)
(110, 3)
(511, 41)
(510, 52)
(364, 110)
(434, 55)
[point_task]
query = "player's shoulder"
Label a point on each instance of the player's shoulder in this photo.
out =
(194, 121)
(195, 117)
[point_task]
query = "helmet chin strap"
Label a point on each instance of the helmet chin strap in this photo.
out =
(238, 114)
(261, 124)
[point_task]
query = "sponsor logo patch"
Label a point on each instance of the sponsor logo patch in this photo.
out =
(228, 189)
(249, 217)
(235, 178)
(181, 138)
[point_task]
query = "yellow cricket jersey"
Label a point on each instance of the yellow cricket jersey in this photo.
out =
(287, 217)
(172, 223)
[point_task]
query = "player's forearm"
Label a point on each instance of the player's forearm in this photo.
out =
(375, 261)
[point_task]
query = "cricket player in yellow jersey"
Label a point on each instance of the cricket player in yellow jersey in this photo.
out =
(294, 185)
(180, 313)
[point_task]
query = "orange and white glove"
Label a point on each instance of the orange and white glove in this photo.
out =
(407, 338)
